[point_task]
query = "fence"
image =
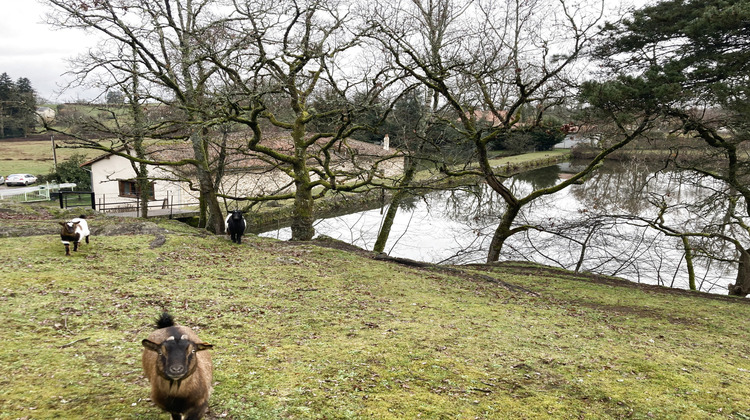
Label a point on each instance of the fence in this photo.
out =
(132, 208)
(71, 199)
(45, 192)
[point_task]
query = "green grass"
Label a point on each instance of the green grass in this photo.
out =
(528, 157)
(33, 157)
(302, 331)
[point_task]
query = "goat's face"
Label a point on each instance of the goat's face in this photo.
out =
(69, 227)
(237, 215)
(176, 356)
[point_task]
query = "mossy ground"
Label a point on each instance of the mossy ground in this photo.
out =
(304, 331)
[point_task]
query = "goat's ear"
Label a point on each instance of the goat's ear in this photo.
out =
(203, 346)
(61, 223)
(76, 222)
(150, 345)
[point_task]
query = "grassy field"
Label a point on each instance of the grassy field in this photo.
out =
(308, 331)
(34, 157)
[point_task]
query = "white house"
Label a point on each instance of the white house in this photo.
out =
(246, 174)
(45, 114)
(577, 135)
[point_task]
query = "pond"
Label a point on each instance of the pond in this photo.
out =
(596, 227)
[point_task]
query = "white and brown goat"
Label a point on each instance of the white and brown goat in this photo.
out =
(75, 230)
(180, 371)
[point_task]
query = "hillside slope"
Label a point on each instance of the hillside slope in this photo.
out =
(309, 331)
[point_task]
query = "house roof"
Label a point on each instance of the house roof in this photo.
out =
(238, 156)
(488, 116)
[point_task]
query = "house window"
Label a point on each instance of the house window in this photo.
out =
(128, 188)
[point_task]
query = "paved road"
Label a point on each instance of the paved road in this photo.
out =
(32, 187)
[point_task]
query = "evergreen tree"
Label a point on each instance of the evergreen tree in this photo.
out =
(6, 88)
(689, 60)
(17, 107)
(26, 113)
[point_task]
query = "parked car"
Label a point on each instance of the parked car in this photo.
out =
(2, 180)
(20, 179)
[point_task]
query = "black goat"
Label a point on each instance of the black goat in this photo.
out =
(180, 371)
(235, 226)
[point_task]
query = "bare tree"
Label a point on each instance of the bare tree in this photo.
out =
(295, 51)
(435, 19)
(168, 63)
(489, 63)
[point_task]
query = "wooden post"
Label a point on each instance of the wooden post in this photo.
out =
(54, 152)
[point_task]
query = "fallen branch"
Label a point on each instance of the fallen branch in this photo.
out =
(73, 342)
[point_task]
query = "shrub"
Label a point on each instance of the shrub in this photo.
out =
(70, 171)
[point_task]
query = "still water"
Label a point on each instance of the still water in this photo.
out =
(595, 227)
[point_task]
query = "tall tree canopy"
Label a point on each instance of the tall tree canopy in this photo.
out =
(486, 63)
(690, 62)
(213, 66)
(17, 107)
(701, 46)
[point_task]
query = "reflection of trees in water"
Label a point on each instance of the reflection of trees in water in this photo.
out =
(605, 228)
(409, 203)
(470, 205)
(613, 232)
(630, 187)
(602, 226)
(617, 186)
(541, 178)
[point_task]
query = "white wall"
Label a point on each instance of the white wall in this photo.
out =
(107, 172)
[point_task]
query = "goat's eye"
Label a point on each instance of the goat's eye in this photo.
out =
(193, 351)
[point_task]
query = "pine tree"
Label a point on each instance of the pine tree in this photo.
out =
(17, 107)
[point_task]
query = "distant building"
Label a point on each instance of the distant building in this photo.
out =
(113, 177)
(577, 135)
(45, 114)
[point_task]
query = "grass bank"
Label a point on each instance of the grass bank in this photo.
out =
(310, 331)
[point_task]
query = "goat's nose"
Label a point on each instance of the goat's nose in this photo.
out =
(176, 369)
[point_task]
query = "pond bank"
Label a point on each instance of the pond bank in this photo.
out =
(338, 204)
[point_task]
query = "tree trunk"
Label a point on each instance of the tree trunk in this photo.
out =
(144, 189)
(209, 199)
(303, 215)
(202, 210)
(214, 222)
(689, 262)
(741, 287)
(139, 124)
(502, 233)
(390, 215)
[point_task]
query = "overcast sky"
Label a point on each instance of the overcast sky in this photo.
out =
(30, 48)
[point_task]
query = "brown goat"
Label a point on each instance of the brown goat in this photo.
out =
(180, 372)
